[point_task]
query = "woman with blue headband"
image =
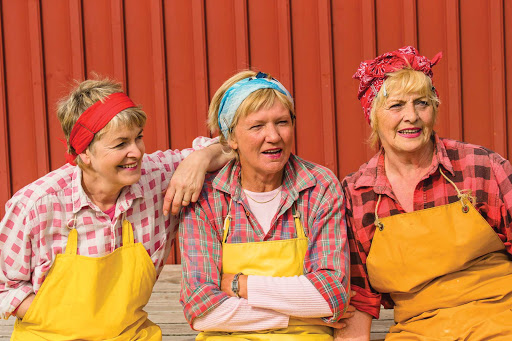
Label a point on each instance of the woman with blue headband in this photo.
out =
(264, 249)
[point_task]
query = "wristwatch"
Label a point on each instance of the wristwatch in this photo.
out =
(234, 284)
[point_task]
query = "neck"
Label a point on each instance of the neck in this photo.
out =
(261, 183)
(409, 165)
(104, 195)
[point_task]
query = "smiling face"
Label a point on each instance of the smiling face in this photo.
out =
(405, 124)
(114, 161)
(263, 140)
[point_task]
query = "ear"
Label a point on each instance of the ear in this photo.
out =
(85, 156)
(232, 141)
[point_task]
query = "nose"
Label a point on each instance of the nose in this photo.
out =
(409, 112)
(136, 150)
(272, 134)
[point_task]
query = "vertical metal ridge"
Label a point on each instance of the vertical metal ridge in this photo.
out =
(159, 73)
(200, 62)
(410, 23)
(77, 39)
(38, 90)
(5, 169)
(497, 73)
(327, 83)
(241, 35)
(453, 59)
(119, 42)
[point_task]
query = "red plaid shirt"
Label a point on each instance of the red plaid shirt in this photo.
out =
(318, 197)
(486, 173)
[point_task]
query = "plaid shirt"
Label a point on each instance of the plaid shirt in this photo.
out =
(34, 229)
(318, 197)
(487, 174)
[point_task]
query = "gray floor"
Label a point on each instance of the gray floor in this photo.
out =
(164, 309)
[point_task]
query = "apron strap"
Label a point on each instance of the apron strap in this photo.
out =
(127, 232)
(72, 243)
(227, 222)
(298, 224)
(464, 196)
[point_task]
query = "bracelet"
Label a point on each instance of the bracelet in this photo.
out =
(234, 284)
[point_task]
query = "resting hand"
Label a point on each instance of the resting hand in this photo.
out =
(23, 307)
(225, 285)
(186, 182)
(319, 322)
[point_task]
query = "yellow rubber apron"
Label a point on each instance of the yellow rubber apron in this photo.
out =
(87, 298)
(447, 272)
(283, 258)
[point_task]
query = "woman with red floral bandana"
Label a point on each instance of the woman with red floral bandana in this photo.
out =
(81, 247)
(429, 219)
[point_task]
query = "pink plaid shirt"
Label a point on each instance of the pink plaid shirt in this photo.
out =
(34, 229)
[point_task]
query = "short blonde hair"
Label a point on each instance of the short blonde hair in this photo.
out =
(257, 100)
(405, 81)
(84, 95)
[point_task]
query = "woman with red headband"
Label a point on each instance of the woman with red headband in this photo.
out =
(429, 219)
(81, 247)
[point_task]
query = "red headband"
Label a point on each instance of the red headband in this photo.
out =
(93, 120)
(372, 73)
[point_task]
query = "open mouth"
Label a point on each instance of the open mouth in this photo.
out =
(410, 132)
(273, 151)
(129, 166)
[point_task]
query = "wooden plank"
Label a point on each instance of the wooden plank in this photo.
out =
(508, 67)
(410, 23)
(118, 42)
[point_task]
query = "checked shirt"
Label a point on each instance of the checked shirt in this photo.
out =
(484, 172)
(317, 195)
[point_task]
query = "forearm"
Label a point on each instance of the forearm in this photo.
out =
(357, 328)
(235, 314)
(216, 157)
(294, 296)
(11, 298)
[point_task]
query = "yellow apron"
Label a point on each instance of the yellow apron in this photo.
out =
(87, 298)
(447, 272)
(283, 258)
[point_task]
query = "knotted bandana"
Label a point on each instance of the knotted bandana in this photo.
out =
(93, 120)
(238, 92)
(372, 73)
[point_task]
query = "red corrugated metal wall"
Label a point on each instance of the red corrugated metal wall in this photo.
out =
(172, 55)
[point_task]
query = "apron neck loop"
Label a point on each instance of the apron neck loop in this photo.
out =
(227, 222)
(463, 195)
(72, 243)
(127, 231)
(377, 222)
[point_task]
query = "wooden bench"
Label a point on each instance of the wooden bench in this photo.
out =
(165, 310)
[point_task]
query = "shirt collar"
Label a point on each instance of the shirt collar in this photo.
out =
(373, 174)
(296, 178)
(81, 200)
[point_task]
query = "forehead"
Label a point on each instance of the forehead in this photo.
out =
(405, 96)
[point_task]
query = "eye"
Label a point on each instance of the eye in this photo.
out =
(140, 137)
(395, 106)
(120, 145)
(256, 126)
(424, 103)
(283, 122)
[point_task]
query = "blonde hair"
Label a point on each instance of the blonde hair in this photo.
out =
(257, 100)
(82, 97)
(407, 81)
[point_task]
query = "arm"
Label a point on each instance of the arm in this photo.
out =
(205, 305)
(357, 329)
(15, 259)
(187, 180)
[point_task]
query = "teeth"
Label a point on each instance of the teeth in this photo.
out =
(133, 165)
(409, 131)
(272, 151)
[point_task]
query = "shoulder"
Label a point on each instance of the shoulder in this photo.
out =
(323, 175)
(470, 155)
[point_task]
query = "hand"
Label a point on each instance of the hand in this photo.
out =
(225, 285)
(23, 307)
(186, 182)
(351, 309)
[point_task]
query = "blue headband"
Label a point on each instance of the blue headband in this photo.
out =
(239, 91)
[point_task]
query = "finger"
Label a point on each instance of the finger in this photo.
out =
(352, 293)
(351, 308)
(348, 315)
(186, 198)
(176, 202)
(169, 196)
(195, 195)
(337, 325)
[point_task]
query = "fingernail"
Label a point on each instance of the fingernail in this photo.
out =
(166, 213)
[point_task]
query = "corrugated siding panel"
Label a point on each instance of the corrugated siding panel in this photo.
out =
(172, 55)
